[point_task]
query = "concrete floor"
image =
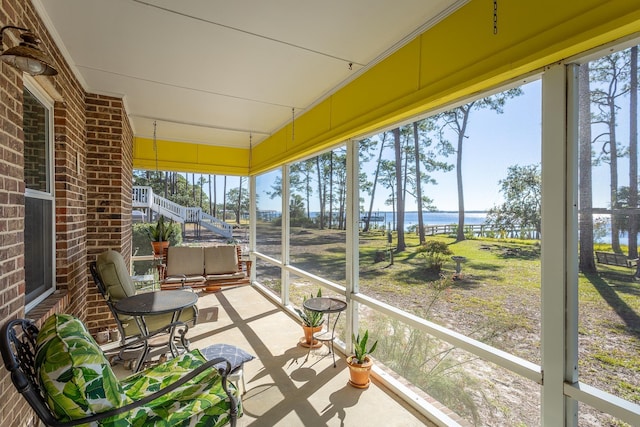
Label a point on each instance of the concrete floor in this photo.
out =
(281, 388)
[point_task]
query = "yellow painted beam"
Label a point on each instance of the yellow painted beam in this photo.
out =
(457, 58)
(184, 157)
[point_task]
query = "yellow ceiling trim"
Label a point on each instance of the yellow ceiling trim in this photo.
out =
(456, 59)
(186, 157)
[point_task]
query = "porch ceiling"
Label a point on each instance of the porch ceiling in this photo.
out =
(213, 72)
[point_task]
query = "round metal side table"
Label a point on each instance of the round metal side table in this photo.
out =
(328, 306)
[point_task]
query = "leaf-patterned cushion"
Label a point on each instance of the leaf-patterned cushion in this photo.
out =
(200, 402)
(73, 371)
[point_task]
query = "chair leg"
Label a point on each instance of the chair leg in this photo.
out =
(237, 378)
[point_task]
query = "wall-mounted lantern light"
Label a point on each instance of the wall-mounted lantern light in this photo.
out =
(27, 56)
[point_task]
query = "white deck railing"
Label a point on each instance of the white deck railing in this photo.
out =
(144, 197)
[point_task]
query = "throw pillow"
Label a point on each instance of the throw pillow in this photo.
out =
(74, 373)
(236, 356)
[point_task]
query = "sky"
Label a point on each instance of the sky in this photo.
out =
(494, 142)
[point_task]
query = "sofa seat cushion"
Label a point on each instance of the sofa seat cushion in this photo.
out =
(73, 371)
(186, 278)
(185, 260)
(220, 260)
(201, 397)
(227, 276)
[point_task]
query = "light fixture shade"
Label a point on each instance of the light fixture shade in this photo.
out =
(28, 57)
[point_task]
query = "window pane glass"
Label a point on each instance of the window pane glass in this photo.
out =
(268, 215)
(609, 295)
(478, 392)
(318, 215)
(38, 238)
(591, 417)
(39, 202)
(269, 276)
(36, 148)
(479, 163)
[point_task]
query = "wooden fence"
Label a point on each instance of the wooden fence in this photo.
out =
(481, 230)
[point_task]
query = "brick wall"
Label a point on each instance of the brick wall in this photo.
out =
(109, 183)
(12, 286)
(84, 222)
(71, 204)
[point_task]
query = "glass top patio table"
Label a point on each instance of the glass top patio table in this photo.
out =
(156, 303)
(325, 305)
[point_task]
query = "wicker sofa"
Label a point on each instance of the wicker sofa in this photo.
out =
(208, 267)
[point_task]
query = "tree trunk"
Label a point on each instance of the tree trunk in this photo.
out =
(375, 182)
(307, 187)
(633, 154)
(460, 234)
(586, 261)
(193, 188)
(210, 198)
(320, 194)
(330, 190)
(401, 246)
(416, 143)
(215, 197)
(166, 185)
(239, 202)
(341, 207)
(613, 169)
(224, 199)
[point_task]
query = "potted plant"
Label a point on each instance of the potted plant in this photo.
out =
(311, 323)
(360, 363)
(160, 235)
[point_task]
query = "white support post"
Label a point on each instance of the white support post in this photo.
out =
(353, 252)
(571, 227)
(284, 288)
(253, 218)
(559, 256)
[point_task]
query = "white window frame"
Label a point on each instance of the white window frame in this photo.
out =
(32, 86)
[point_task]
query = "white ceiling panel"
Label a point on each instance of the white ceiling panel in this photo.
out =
(214, 71)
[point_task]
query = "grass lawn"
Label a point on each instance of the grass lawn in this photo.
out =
(496, 299)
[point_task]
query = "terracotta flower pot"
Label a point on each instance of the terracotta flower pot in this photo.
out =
(359, 373)
(102, 337)
(159, 247)
(308, 336)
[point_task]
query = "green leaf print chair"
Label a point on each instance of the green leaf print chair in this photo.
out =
(112, 279)
(65, 377)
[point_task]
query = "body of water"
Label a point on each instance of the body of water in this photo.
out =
(439, 218)
(429, 218)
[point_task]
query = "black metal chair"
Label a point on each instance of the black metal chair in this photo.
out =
(18, 348)
(112, 279)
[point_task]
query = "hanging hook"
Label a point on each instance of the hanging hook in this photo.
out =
(250, 148)
(155, 143)
(495, 17)
(293, 124)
